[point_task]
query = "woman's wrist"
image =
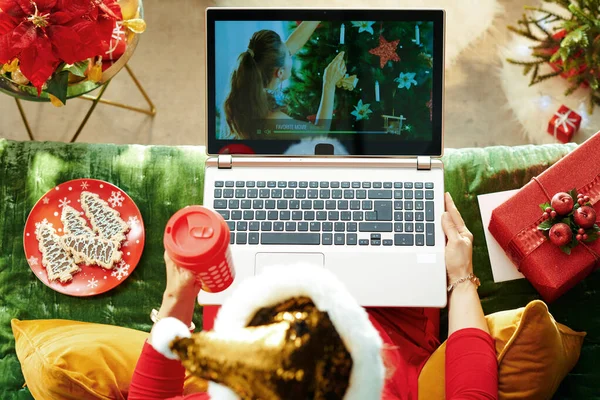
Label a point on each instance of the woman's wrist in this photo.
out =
(180, 306)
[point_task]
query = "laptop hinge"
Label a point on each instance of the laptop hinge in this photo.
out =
(424, 162)
(225, 161)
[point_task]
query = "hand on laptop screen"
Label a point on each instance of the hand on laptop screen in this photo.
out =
(300, 79)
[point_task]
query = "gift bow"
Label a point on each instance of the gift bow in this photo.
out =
(348, 82)
(564, 120)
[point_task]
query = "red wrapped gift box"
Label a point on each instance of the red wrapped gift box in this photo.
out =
(564, 123)
(514, 223)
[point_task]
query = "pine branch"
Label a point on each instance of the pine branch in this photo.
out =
(541, 78)
(571, 89)
(557, 17)
(525, 33)
(525, 63)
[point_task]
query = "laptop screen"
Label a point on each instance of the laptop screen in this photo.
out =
(347, 82)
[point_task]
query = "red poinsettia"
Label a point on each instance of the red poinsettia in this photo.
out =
(44, 33)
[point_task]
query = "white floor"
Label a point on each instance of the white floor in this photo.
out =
(170, 63)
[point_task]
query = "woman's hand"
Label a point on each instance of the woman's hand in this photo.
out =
(459, 249)
(179, 298)
(335, 71)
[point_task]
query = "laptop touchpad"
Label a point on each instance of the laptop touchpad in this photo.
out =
(266, 261)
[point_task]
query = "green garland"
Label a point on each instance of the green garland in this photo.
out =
(577, 54)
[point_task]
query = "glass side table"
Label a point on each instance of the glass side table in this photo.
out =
(81, 89)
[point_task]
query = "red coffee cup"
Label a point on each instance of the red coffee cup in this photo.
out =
(197, 238)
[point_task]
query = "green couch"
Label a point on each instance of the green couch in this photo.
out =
(162, 180)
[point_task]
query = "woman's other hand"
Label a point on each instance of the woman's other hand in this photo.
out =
(335, 71)
(459, 248)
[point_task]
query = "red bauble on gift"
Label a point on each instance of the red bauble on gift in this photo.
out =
(564, 123)
(515, 223)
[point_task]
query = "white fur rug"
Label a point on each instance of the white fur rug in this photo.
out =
(466, 20)
(533, 106)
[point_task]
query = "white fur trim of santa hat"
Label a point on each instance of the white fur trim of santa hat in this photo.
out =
(329, 295)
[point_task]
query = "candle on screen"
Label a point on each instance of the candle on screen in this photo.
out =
(342, 34)
(376, 90)
(417, 35)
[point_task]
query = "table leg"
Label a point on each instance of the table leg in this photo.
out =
(24, 117)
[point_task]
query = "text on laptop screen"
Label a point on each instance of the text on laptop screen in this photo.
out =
(354, 84)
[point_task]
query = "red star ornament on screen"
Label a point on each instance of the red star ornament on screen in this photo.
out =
(386, 51)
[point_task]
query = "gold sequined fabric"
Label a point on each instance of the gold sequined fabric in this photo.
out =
(289, 351)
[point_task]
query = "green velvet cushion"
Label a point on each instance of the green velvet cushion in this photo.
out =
(162, 180)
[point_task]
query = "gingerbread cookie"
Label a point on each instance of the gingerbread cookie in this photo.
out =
(93, 250)
(73, 224)
(55, 258)
(105, 220)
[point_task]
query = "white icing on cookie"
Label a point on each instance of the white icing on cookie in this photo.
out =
(56, 259)
(73, 224)
(105, 220)
(93, 250)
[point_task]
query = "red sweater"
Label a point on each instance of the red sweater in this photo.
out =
(410, 337)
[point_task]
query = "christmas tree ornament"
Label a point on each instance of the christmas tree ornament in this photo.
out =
(13, 66)
(18, 77)
(417, 39)
(406, 80)
(364, 26)
(95, 72)
(393, 124)
(348, 82)
(386, 51)
(129, 8)
(361, 111)
(564, 124)
(283, 335)
(136, 25)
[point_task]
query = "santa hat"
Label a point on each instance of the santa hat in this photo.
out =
(283, 335)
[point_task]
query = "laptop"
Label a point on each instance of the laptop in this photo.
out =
(324, 136)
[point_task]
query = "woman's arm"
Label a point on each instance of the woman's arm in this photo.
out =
(471, 366)
(332, 75)
(156, 377)
(464, 307)
(300, 36)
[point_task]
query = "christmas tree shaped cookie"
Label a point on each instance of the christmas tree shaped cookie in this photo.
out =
(105, 220)
(55, 258)
(93, 250)
(73, 224)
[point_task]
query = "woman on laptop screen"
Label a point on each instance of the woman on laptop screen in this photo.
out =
(256, 102)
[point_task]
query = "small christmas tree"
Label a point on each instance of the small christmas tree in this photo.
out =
(393, 64)
(571, 47)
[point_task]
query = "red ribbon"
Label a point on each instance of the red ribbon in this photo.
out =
(530, 238)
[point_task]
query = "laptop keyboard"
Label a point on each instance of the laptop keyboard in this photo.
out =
(327, 213)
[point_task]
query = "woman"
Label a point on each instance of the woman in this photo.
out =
(409, 334)
(256, 99)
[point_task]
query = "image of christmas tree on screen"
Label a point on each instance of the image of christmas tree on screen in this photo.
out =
(389, 63)
(300, 78)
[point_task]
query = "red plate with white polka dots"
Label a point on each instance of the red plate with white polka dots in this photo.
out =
(92, 279)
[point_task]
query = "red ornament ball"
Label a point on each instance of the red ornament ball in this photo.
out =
(548, 209)
(585, 217)
(586, 199)
(585, 236)
(560, 234)
(578, 237)
(553, 214)
(562, 203)
(581, 231)
(545, 215)
(580, 195)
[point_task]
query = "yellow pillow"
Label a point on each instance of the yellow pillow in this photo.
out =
(69, 360)
(535, 353)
